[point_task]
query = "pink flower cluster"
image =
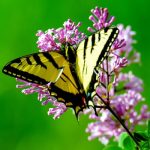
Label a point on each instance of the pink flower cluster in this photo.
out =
(54, 39)
(100, 19)
(122, 91)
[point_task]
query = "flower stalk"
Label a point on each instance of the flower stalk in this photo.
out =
(120, 120)
(107, 104)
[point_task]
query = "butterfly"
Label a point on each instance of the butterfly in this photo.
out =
(70, 71)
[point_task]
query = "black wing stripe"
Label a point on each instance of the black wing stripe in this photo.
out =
(69, 80)
(38, 61)
(104, 50)
(24, 75)
(76, 100)
(84, 52)
(28, 61)
(99, 36)
(18, 60)
(106, 29)
(51, 59)
(85, 47)
(92, 42)
(62, 79)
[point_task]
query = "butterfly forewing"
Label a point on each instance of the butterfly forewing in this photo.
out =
(40, 68)
(91, 52)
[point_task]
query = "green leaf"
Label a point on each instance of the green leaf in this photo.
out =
(111, 147)
(121, 139)
(140, 136)
(145, 146)
(129, 144)
(125, 142)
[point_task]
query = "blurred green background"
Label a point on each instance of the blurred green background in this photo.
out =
(24, 123)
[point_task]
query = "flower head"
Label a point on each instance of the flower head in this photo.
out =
(100, 18)
(124, 41)
(54, 39)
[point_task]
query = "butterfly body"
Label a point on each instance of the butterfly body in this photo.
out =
(70, 73)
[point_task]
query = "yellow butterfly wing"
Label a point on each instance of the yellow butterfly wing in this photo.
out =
(40, 68)
(92, 52)
(49, 67)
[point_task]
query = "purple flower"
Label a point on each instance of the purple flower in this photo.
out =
(124, 41)
(131, 82)
(100, 19)
(118, 44)
(104, 128)
(46, 41)
(123, 44)
(54, 39)
(59, 109)
(116, 63)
